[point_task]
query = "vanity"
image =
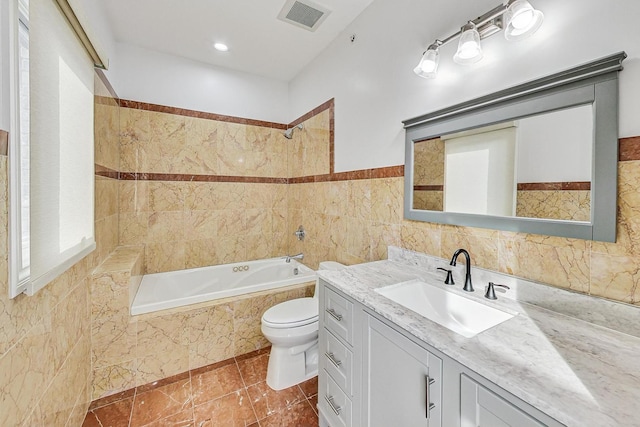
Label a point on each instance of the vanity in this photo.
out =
(558, 359)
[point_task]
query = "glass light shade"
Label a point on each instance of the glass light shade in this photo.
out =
(522, 20)
(428, 65)
(469, 49)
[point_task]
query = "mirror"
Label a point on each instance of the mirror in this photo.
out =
(538, 158)
(535, 167)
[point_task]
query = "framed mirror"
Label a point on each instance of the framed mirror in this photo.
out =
(537, 158)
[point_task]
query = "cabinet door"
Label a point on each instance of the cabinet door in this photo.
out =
(403, 381)
(480, 407)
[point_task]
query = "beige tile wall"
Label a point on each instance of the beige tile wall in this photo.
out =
(191, 224)
(308, 150)
(572, 205)
(353, 221)
(194, 224)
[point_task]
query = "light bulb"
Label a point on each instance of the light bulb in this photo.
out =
(428, 65)
(469, 49)
(522, 20)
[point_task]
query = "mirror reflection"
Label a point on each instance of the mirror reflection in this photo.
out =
(535, 167)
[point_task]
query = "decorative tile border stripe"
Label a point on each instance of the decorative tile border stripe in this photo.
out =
(106, 172)
(428, 188)
(141, 176)
(199, 114)
(4, 143)
(319, 109)
(386, 172)
(554, 186)
(629, 149)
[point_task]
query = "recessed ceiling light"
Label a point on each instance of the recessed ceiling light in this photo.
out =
(221, 47)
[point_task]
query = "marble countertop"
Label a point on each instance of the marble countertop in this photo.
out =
(575, 370)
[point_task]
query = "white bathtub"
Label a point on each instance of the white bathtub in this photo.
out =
(161, 291)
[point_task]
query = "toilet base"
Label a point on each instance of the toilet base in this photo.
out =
(286, 369)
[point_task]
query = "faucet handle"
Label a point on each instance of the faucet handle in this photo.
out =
(449, 279)
(490, 292)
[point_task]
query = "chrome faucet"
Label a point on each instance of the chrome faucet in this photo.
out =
(467, 279)
(288, 258)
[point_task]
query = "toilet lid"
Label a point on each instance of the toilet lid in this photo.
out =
(295, 312)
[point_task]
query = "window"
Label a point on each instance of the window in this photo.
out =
(19, 253)
(51, 153)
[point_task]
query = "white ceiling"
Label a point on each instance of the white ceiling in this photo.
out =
(258, 42)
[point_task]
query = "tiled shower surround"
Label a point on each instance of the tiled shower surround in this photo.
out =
(188, 207)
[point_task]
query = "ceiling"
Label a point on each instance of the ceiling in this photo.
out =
(258, 42)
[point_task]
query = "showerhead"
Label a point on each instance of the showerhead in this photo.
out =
(289, 132)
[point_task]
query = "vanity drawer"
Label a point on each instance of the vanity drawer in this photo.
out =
(334, 404)
(338, 362)
(338, 316)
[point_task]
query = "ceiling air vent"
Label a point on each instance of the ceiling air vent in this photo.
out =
(303, 14)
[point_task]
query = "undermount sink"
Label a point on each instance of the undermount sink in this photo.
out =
(457, 313)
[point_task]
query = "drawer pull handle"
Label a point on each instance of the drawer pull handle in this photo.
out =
(336, 409)
(333, 360)
(429, 405)
(333, 314)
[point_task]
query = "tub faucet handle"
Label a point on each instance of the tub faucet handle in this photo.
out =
(449, 279)
(300, 233)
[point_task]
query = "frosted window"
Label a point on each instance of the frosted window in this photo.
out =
(56, 140)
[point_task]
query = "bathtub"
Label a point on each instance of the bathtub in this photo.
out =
(161, 291)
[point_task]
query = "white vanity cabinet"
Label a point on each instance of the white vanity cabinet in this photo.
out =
(479, 406)
(339, 355)
(374, 374)
(403, 381)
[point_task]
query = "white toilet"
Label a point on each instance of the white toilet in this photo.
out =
(292, 329)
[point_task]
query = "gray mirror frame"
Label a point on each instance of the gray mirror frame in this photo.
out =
(593, 83)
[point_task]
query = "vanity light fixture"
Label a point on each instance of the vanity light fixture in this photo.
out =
(517, 17)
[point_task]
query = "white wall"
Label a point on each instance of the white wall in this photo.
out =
(375, 88)
(557, 146)
(157, 78)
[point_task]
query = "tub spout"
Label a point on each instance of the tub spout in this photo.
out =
(288, 258)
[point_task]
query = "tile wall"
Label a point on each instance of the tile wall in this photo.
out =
(353, 220)
(572, 205)
(203, 191)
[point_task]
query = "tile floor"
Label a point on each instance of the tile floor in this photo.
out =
(230, 393)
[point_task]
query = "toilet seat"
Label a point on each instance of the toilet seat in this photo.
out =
(292, 313)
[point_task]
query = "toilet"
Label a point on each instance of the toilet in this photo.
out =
(292, 329)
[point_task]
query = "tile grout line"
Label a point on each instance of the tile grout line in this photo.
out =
(246, 390)
(133, 401)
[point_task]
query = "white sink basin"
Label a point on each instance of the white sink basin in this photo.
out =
(459, 314)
